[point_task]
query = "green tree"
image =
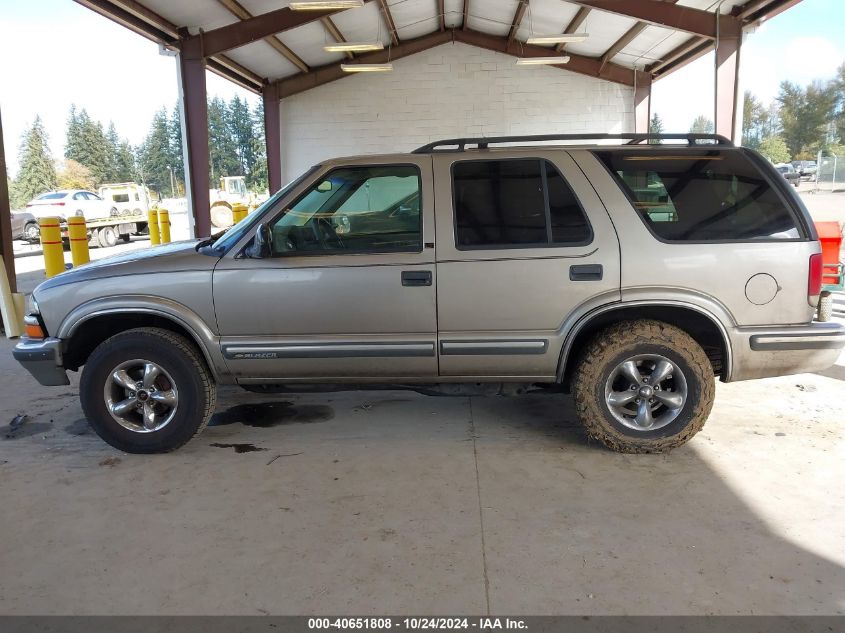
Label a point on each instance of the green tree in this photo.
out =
(176, 160)
(839, 115)
(256, 178)
(655, 126)
(805, 114)
(124, 163)
(701, 125)
(37, 173)
(222, 149)
(87, 144)
(755, 120)
(241, 127)
(154, 155)
(775, 149)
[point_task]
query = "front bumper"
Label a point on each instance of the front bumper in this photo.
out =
(43, 359)
(780, 351)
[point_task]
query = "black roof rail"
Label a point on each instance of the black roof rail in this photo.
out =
(460, 144)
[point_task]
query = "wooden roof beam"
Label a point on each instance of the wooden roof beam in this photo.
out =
(573, 26)
(237, 9)
(521, 6)
(388, 20)
(670, 16)
(332, 30)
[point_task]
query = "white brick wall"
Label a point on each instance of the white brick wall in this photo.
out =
(451, 90)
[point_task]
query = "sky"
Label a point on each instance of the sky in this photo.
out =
(56, 52)
(802, 44)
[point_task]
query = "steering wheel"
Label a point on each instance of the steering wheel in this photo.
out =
(329, 239)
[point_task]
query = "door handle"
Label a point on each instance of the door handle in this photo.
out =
(586, 272)
(416, 277)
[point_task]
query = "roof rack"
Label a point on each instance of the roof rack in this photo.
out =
(460, 144)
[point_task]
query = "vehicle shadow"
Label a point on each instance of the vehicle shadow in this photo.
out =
(592, 531)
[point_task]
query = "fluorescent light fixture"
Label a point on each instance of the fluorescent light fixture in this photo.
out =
(353, 47)
(366, 68)
(541, 61)
(324, 5)
(564, 38)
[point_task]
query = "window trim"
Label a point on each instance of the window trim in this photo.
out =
(798, 219)
(322, 176)
(544, 179)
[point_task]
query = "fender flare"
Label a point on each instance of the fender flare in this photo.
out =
(206, 340)
(585, 319)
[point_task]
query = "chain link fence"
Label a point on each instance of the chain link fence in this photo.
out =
(830, 172)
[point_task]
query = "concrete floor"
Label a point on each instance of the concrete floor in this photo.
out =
(392, 502)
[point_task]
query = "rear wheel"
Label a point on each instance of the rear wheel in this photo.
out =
(107, 236)
(147, 390)
(643, 387)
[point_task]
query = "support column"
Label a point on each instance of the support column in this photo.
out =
(642, 102)
(194, 109)
(727, 84)
(6, 250)
(273, 137)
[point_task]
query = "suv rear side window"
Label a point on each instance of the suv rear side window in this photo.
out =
(515, 203)
(701, 195)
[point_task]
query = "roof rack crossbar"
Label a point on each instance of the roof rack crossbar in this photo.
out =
(460, 144)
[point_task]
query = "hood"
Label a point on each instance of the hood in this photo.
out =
(174, 257)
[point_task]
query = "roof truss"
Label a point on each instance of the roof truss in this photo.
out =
(211, 45)
(577, 63)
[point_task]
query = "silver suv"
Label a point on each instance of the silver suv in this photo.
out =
(632, 274)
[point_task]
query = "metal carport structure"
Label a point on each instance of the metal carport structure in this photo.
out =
(270, 49)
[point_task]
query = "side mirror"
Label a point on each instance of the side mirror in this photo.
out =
(324, 186)
(261, 246)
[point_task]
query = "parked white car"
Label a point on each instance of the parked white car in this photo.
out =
(69, 202)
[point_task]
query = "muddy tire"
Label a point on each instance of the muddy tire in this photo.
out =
(643, 387)
(147, 390)
(825, 307)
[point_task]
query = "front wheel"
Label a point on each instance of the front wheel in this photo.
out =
(643, 387)
(147, 390)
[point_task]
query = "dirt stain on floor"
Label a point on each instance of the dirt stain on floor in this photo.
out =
(267, 414)
(239, 448)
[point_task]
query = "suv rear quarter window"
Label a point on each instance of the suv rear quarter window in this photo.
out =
(701, 195)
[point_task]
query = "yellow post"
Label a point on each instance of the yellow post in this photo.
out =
(51, 246)
(152, 223)
(164, 225)
(77, 233)
(239, 212)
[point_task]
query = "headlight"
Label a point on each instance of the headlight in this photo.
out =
(32, 306)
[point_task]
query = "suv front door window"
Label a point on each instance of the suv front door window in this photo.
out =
(372, 209)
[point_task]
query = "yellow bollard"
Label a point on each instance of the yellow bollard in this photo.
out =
(77, 233)
(152, 223)
(51, 246)
(164, 225)
(239, 212)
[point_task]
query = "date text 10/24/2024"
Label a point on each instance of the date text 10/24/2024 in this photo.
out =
(418, 623)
